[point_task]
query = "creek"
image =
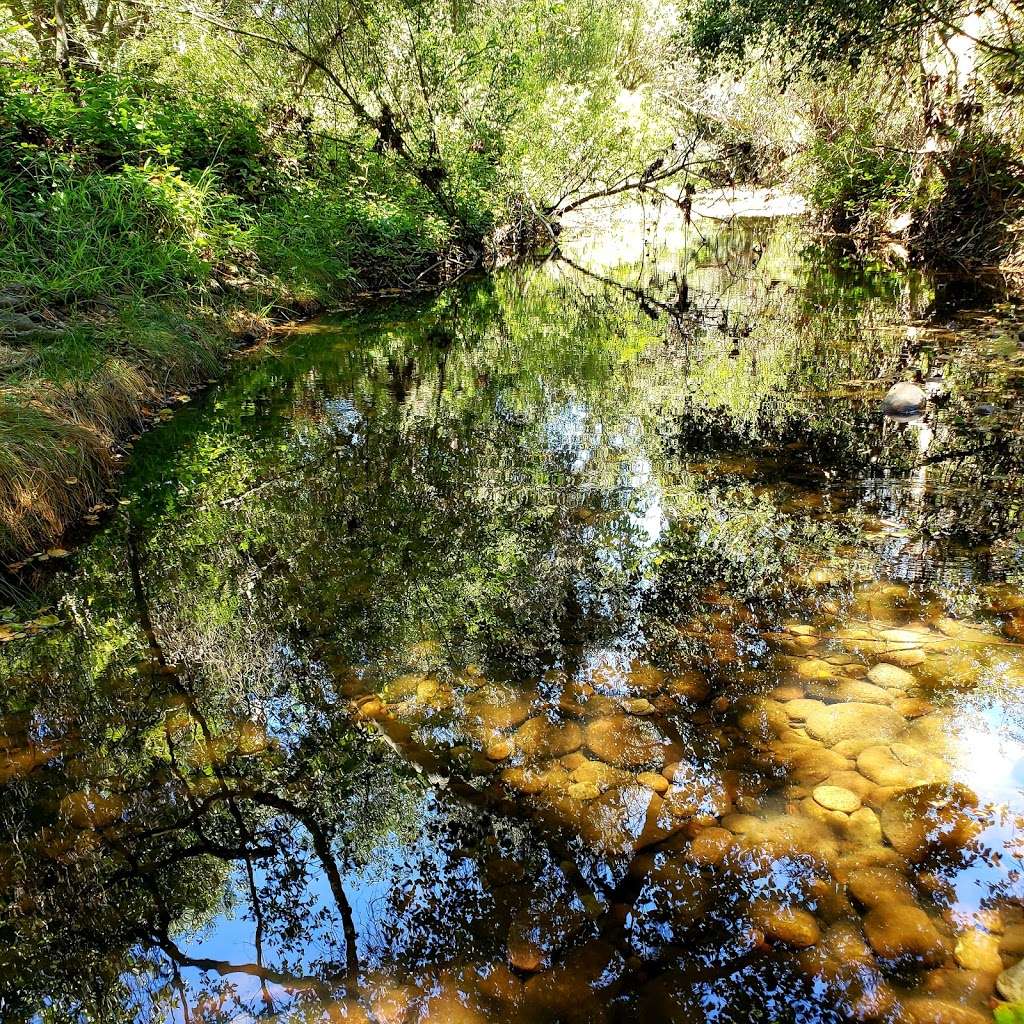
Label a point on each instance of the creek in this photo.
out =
(581, 644)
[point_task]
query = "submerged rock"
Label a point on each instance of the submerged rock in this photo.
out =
(632, 743)
(900, 765)
(854, 721)
(791, 925)
(875, 886)
(890, 676)
(904, 399)
(837, 798)
(978, 950)
(925, 1010)
(537, 737)
(845, 963)
(899, 930)
(930, 816)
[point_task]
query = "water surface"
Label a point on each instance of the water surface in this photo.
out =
(578, 645)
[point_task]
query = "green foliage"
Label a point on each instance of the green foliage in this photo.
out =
(809, 32)
(138, 230)
(853, 178)
(51, 134)
(323, 237)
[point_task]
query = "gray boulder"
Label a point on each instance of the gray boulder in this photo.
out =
(904, 399)
(1010, 983)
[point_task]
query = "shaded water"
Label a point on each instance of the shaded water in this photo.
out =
(580, 645)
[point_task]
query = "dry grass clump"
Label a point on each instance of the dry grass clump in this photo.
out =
(63, 409)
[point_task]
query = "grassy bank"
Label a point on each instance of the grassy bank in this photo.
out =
(144, 232)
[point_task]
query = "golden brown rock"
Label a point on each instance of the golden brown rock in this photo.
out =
(631, 743)
(859, 690)
(836, 798)
(900, 930)
(906, 659)
(835, 723)
(801, 707)
(499, 750)
(645, 680)
(977, 950)
(540, 738)
(496, 708)
(843, 961)
(710, 846)
(871, 886)
(653, 780)
(892, 677)
(926, 1010)
(690, 686)
(789, 924)
(899, 764)
(912, 707)
(864, 828)
(926, 817)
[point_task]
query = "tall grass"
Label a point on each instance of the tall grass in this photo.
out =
(133, 225)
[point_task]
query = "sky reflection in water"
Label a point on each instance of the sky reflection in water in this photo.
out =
(580, 645)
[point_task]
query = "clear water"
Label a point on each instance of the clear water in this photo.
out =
(579, 645)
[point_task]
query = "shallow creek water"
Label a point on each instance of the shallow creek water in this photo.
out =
(580, 645)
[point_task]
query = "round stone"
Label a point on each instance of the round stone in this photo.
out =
(631, 743)
(903, 637)
(912, 707)
(866, 693)
(836, 798)
(852, 780)
(645, 679)
(915, 656)
(525, 780)
(926, 1010)
(927, 817)
(653, 780)
(872, 886)
(638, 706)
(976, 950)
(791, 925)
(1011, 943)
(800, 629)
(711, 846)
(890, 676)
(499, 750)
(899, 765)
(864, 827)
(1010, 983)
(497, 708)
(901, 930)
(855, 985)
(741, 824)
(538, 737)
(835, 723)
(689, 686)
(815, 668)
(786, 692)
(799, 709)
(602, 775)
(904, 398)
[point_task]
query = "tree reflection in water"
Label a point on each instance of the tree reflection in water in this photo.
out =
(516, 657)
